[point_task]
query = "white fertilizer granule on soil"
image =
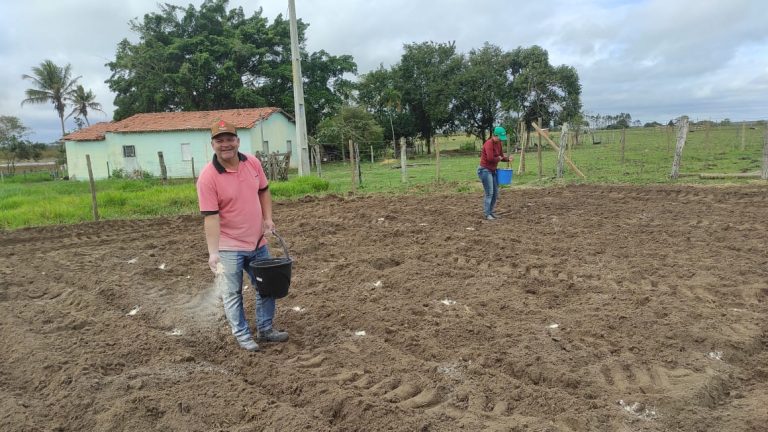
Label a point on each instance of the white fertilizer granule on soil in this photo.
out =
(639, 409)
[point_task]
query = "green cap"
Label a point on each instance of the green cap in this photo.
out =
(500, 132)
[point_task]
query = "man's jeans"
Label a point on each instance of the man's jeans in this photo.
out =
(490, 182)
(234, 262)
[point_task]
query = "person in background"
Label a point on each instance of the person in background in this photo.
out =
(234, 198)
(490, 156)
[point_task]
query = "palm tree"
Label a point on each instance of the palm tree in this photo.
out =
(82, 101)
(53, 83)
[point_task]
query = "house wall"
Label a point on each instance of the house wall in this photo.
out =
(77, 167)
(146, 145)
(277, 130)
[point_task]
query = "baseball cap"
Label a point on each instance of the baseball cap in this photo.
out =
(221, 127)
(500, 132)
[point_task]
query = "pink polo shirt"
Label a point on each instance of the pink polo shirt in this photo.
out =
(234, 195)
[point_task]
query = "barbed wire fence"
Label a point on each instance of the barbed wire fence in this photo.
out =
(710, 148)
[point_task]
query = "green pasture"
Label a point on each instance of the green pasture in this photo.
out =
(35, 199)
(648, 155)
(62, 202)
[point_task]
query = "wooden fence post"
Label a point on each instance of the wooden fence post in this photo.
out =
(437, 159)
(682, 132)
(163, 172)
(371, 155)
(570, 163)
(272, 163)
(541, 167)
(194, 176)
(354, 168)
(94, 206)
(359, 169)
(523, 143)
(403, 161)
(316, 157)
(561, 152)
(764, 174)
(109, 175)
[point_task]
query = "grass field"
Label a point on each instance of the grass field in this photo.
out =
(34, 199)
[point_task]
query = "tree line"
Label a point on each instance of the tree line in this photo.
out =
(213, 57)
(434, 88)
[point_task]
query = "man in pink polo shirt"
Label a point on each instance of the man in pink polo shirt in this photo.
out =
(234, 198)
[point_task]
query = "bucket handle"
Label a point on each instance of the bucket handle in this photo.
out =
(282, 243)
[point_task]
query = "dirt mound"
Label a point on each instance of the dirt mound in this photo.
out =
(583, 308)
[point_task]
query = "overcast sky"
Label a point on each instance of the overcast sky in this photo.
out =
(654, 59)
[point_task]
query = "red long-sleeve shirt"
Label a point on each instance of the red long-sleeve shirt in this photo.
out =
(491, 155)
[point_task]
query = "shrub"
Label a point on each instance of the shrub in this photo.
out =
(121, 173)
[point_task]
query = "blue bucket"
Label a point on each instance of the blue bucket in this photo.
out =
(505, 175)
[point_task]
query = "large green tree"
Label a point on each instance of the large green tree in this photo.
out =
(13, 143)
(52, 84)
(541, 90)
(483, 90)
(350, 123)
(11, 127)
(211, 58)
(83, 100)
(437, 89)
(325, 88)
(378, 92)
(426, 79)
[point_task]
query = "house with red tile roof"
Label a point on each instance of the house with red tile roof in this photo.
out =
(184, 138)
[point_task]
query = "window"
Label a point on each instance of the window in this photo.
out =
(265, 146)
(288, 146)
(186, 152)
(129, 151)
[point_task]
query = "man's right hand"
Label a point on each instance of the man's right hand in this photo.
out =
(213, 262)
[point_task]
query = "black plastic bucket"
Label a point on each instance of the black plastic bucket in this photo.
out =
(273, 275)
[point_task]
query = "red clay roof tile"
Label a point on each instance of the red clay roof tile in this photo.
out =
(174, 121)
(92, 133)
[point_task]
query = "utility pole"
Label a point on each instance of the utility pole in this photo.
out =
(298, 95)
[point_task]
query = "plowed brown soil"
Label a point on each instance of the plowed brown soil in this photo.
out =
(584, 308)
